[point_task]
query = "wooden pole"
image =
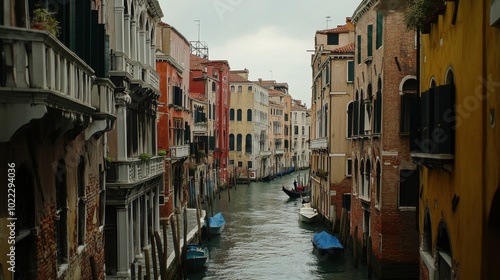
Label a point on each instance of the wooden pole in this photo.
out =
(153, 253)
(198, 217)
(162, 255)
(176, 243)
(139, 273)
(93, 268)
(148, 264)
(248, 176)
(184, 249)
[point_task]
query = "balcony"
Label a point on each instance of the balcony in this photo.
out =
(266, 153)
(319, 143)
(200, 128)
(134, 171)
(279, 151)
(39, 72)
(179, 151)
(138, 73)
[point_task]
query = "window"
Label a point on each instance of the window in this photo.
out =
(239, 139)
(349, 168)
(238, 115)
(361, 114)
(355, 181)
(231, 162)
(249, 164)
(231, 114)
(377, 106)
(355, 122)
(369, 41)
(61, 221)
(214, 87)
(240, 89)
(333, 39)
(495, 13)
(231, 142)
(303, 130)
(286, 117)
(379, 184)
(380, 27)
(349, 119)
(232, 88)
(249, 115)
(350, 71)
(249, 88)
(367, 182)
(248, 144)
(408, 97)
(240, 164)
(296, 129)
(408, 188)
(177, 96)
(359, 49)
(81, 201)
(368, 109)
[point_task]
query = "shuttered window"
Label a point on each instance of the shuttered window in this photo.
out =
(380, 27)
(350, 71)
(359, 49)
(369, 41)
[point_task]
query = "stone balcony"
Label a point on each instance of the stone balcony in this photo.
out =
(200, 128)
(279, 151)
(137, 72)
(266, 153)
(319, 143)
(179, 151)
(134, 171)
(39, 72)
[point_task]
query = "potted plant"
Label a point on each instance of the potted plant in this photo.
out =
(421, 13)
(43, 19)
(144, 156)
(162, 153)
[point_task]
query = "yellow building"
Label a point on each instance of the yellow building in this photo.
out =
(455, 142)
(333, 73)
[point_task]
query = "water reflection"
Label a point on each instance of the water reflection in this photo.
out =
(263, 239)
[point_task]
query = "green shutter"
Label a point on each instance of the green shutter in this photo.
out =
(369, 43)
(380, 27)
(359, 49)
(350, 71)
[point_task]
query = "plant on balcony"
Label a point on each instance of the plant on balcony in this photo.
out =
(144, 156)
(202, 153)
(108, 162)
(192, 170)
(43, 19)
(421, 13)
(162, 153)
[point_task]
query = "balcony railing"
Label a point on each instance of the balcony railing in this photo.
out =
(138, 72)
(265, 153)
(200, 128)
(103, 96)
(279, 151)
(135, 170)
(319, 143)
(40, 64)
(179, 151)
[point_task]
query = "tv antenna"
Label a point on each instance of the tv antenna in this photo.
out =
(327, 20)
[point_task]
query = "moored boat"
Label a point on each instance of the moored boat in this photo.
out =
(197, 256)
(216, 223)
(307, 214)
(326, 243)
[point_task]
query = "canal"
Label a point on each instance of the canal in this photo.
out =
(263, 238)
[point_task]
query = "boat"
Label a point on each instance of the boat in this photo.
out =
(307, 214)
(216, 223)
(285, 172)
(301, 191)
(326, 243)
(197, 256)
(269, 177)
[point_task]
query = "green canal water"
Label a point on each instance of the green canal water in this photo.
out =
(263, 238)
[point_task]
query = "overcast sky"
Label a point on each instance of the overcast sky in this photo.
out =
(268, 37)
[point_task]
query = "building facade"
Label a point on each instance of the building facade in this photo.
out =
(333, 72)
(248, 117)
(459, 197)
(56, 106)
(385, 181)
(174, 120)
(135, 176)
(276, 136)
(300, 135)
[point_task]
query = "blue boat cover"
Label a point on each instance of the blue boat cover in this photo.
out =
(324, 240)
(216, 221)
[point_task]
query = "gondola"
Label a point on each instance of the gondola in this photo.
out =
(269, 178)
(295, 194)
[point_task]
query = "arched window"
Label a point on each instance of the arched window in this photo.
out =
(248, 144)
(232, 88)
(249, 115)
(361, 179)
(214, 87)
(361, 114)
(249, 88)
(368, 109)
(377, 107)
(408, 97)
(379, 183)
(349, 119)
(231, 114)
(356, 176)
(356, 115)
(238, 115)
(231, 142)
(443, 247)
(427, 236)
(240, 89)
(238, 142)
(367, 178)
